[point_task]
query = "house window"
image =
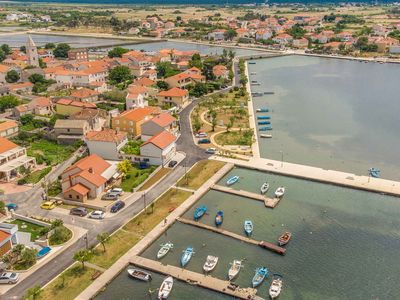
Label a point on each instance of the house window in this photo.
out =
(70, 196)
(77, 196)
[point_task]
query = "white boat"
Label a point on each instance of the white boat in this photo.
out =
(164, 250)
(210, 263)
(234, 269)
(280, 191)
(264, 188)
(139, 274)
(268, 136)
(165, 288)
(276, 287)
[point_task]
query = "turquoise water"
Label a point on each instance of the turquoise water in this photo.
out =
(345, 242)
(331, 113)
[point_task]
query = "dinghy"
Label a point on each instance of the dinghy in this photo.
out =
(186, 256)
(280, 191)
(264, 188)
(199, 212)
(276, 286)
(232, 180)
(210, 263)
(265, 128)
(374, 172)
(284, 238)
(139, 274)
(234, 269)
(219, 218)
(263, 117)
(268, 136)
(262, 110)
(248, 227)
(261, 274)
(264, 122)
(165, 288)
(164, 249)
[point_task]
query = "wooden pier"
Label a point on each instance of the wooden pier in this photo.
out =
(195, 278)
(269, 202)
(265, 245)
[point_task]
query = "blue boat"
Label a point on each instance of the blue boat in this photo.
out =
(263, 117)
(219, 218)
(264, 123)
(265, 128)
(261, 274)
(262, 109)
(232, 180)
(374, 172)
(199, 212)
(248, 227)
(43, 252)
(186, 256)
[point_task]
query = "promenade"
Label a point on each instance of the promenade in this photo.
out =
(366, 183)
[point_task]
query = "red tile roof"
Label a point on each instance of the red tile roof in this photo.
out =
(4, 236)
(7, 125)
(79, 188)
(161, 140)
(106, 135)
(6, 145)
(174, 92)
(94, 162)
(163, 119)
(139, 114)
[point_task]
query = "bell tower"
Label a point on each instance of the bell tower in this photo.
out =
(32, 53)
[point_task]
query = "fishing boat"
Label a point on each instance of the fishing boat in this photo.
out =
(234, 269)
(252, 62)
(280, 191)
(264, 122)
(276, 286)
(268, 136)
(210, 263)
(374, 172)
(165, 288)
(262, 110)
(164, 250)
(264, 188)
(186, 256)
(265, 128)
(256, 94)
(255, 83)
(219, 218)
(253, 73)
(284, 238)
(263, 117)
(232, 180)
(261, 274)
(269, 93)
(139, 274)
(248, 227)
(199, 212)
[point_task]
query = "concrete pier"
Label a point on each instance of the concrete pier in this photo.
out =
(193, 278)
(266, 245)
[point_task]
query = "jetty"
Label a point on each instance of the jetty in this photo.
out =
(194, 278)
(269, 202)
(265, 245)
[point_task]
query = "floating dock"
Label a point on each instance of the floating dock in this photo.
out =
(265, 245)
(269, 202)
(193, 278)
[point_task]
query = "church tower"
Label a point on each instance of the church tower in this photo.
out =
(32, 53)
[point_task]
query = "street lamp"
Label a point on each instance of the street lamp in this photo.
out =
(86, 240)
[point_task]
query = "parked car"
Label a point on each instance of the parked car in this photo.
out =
(117, 206)
(201, 135)
(118, 191)
(12, 206)
(78, 211)
(9, 277)
(97, 214)
(204, 141)
(110, 196)
(211, 150)
(172, 163)
(48, 205)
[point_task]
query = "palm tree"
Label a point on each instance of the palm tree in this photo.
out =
(102, 238)
(82, 256)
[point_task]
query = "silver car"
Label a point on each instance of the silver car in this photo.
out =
(97, 214)
(8, 277)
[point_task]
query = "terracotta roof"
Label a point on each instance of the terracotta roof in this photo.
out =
(174, 92)
(92, 177)
(138, 113)
(93, 161)
(4, 236)
(4, 69)
(40, 101)
(83, 93)
(6, 145)
(161, 140)
(7, 125)
(163, 119)
(85, 114)
(16, 86)
(106, 135)
(79, 188)
(219, 70)
(76, 103)
(144, 81)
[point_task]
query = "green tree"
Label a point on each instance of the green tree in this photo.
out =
(120, 74)
(165, 69)
(297, 31)
(117, 52)
(42, 64)
(199, 89)
(37, 78)
(28, 256)
(7, 50)
(2, 207)
(2, 55)
(230, 34)
(124, 167)
(230, 123)
(196, 61)
(57, 223)
(196, 123)
(102, 238)
(33, 293)
(49, 46)
(213, 115)
(82, 256)
(162, 85)
(12, 76)
(9, 101)
(61, 51)
(22, 49)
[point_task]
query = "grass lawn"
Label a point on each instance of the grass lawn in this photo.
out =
(135, 177)
(244, 138)
(35, 176)
(33, 229)
(70, 284)
(60, 236)
(125, 238)
(200, 173)
(54, 189)
(156, 177)
(50, 150)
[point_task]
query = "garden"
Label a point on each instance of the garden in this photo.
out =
(133, 176)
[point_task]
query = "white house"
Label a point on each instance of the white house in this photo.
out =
(159, 149)
(106, 143)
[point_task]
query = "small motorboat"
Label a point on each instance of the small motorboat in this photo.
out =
(284, 238)
(261, 274)
(269, 93)
(234, 269)
(276, 286)
(280, 191)
(199, 212)
(262, 110)
(248, 227)
(253, 73)
(165, 288)
(186, 256)
(252, 62)
(139, 274)
(268, 136)
(43, 252)
(210, 263)
(255, 83)
(264, 122)
(232, 180)
(164, 250)
(265, 128)
(256, 94)
(219, 218)
(374, 172)
(264, 188)
(263, 117)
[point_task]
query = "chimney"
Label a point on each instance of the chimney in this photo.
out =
(90, 170)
